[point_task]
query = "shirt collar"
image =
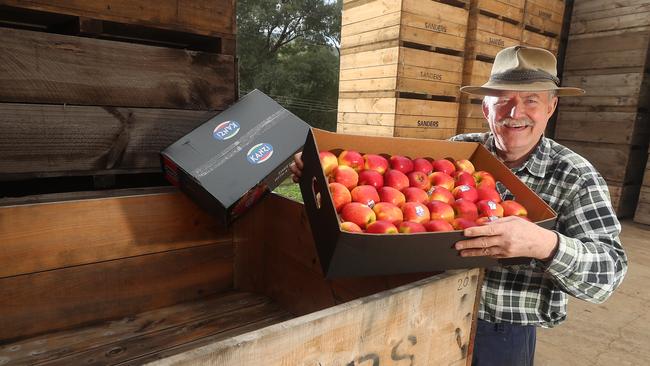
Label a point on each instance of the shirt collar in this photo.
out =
(538, 162)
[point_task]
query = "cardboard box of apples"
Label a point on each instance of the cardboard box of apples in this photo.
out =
(380, 205)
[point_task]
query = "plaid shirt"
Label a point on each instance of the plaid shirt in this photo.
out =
(590, 262)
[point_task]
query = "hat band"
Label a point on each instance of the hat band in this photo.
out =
(524, 75)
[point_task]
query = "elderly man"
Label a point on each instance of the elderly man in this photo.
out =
(582, 256)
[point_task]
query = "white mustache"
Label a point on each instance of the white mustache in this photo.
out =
(509, 122)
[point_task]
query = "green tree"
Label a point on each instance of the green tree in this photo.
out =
(289, 50)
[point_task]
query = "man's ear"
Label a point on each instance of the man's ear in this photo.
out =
(552, 105)
(486, 110)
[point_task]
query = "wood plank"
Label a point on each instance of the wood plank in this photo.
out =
(640, 18)
(364, 130)
(87, 140)
(431, 318)
(147, 345)
(584, 7)
(646, 175)
(43, 237)
(624, 84)
(419, 29)
(499, 8)
(425, 132)
(611, 9)
(74, 296)
(370, 119)
(624, 199)
(59, 69)
(369, 10)
(642, 214)
(80, 195)
(538, 40)
(406, 106)
(543, 18)
(615, 162)
(631, 128)
(556, 6)
(206, 17)
(380, 22)
(367, 105)
(480, 22)
(60, 345)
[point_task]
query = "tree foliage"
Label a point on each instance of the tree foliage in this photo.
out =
(289, 50)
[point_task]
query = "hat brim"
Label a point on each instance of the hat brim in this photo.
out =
(497, 89)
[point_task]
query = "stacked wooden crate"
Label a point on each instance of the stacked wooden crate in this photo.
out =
(607, 55)
(401, 67)
(495, 25)
(642, 213)
(92, 91)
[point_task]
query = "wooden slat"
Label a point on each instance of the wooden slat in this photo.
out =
(631, 128)
(42, 237)
(543, 18)
(615, 162)
(538, 40)
(581, 8)
(511, 10)
(626, 18)
(207, 17)
(365, 130)
(642, 214)
(430, 319)
(52, 68)
(78, 295)
(59, 346)
(87, 140)
(620, 49)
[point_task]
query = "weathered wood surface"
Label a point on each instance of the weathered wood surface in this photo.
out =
(81, 140)
(642, 214)
(601, 15)
(42, 237)
(208, 17)
(615, 49)
(632, 128)
(428, 322)
(624, 198)
(58, 69)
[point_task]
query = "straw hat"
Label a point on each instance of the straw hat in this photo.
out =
(522, 68)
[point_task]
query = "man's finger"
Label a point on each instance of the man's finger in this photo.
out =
(477, 243)
(490, 229)
(297, 158)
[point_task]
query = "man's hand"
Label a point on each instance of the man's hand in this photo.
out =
(296, 167)
(509, 237)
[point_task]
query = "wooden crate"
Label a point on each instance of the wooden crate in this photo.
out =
(619, 163)
(214, 19)
(603, 15)
(398, 117)
(510, 10)
(134, 279)
(486, 36)
(642, 214)
(578, 124)
(623, 49)
(614, 89)
(371, 25)
(551, 43)
(544, 16)
(470, 118)
(401, 69)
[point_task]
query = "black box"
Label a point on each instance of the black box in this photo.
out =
(232, 160)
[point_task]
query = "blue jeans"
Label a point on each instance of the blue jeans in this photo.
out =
(503, 344)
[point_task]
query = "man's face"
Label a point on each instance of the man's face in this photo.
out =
(518, 120)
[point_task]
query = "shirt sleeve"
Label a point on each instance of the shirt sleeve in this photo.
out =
(590, 262)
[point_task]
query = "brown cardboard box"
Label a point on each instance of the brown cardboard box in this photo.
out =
(344, 254)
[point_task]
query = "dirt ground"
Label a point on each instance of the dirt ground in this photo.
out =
(616, 332)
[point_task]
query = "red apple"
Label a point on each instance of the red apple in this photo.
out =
(442, 179)
(350, 227)
(485, 220)
(422, 165)
(462, 164)
(391, 195)
(388, 212)
(371, 177)
(409, 227)
(444, 166)
(352, 159)
(401, 163)
(413, 194)
(340, 195)
(345, 175)
(464, 178)
(418, 179)
(416, 212)
(358, 213)
(465, 209)
(441, 194)
(462, 223)
(438, 225)
(491, 194)
(512, 208)
(484, 179)
(465, 192)
(365, 194)
(328, 162)
(440, 210)
(396, 179)
(381, 227)
(375, 162)
(489, 208)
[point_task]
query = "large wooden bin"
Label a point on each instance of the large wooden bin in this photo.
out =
(150, 277)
